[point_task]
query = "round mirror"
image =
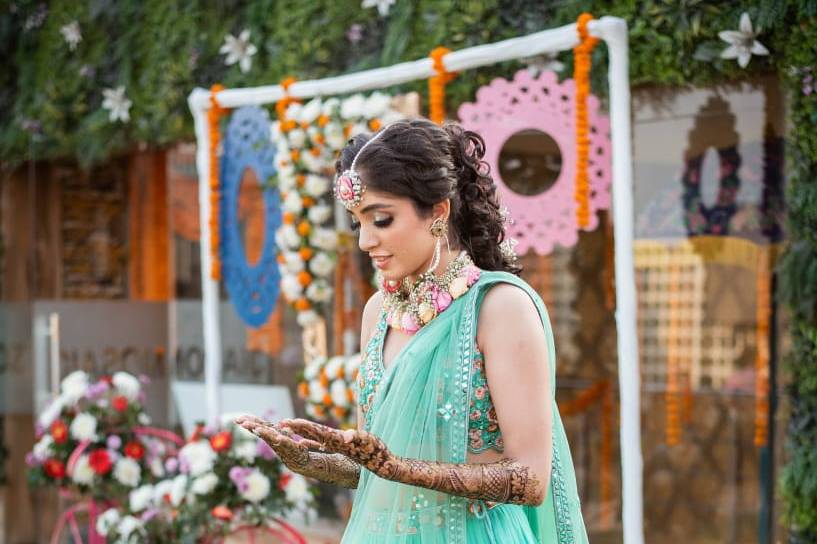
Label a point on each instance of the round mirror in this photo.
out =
(530, 162)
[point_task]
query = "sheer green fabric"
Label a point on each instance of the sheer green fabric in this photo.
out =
(420, 410)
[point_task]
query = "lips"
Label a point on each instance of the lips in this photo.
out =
(380, 261)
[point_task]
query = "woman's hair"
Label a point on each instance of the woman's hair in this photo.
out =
(428, 163)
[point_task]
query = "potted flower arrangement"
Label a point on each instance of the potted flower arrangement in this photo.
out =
(222, 481)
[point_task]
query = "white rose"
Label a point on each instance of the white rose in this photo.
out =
(319, 291)
(353, 107)
(293, 202)
(42, 449)
(377, 104)
(160, 490)
(338, 393)
(293, 111)
(157, 468)
(199, 457)
(297, 490)
(127, 472)
(322, 264)
(325, 239)
(74, 386)
(177, 489)
(330, 106)
(143, 419)
(107, 521)
(205, 484)
(140, 498)
(358, 128)
(319, 214)
(258, 487)
(83, 474)
(314, 164)
(127, 385)
(52, 412)
(293, 262)
(311, 111)
(127, 527)
(245, 450)
(297, 138)
(316, 185)
(306, 318)
(291, 287)
(83, 427)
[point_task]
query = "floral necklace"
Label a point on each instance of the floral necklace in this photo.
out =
(411, 306)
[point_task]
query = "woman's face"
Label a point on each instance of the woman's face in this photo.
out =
(394, 235)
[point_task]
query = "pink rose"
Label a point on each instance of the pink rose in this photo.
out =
(471, 275)
(409, 324)
(441, 299)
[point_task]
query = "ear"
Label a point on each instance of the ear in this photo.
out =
(441, 209)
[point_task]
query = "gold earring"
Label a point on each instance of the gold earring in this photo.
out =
(439, 228)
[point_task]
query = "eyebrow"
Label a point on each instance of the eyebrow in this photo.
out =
(375, 207)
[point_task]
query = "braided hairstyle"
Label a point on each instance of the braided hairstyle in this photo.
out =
(428, 163)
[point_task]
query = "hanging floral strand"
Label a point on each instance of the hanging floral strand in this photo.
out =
(214, 115)
(581, 75)
(763, 313)
(436, 85)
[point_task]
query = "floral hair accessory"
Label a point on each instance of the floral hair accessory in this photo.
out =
(349, 187)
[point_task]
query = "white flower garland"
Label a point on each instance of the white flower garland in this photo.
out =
(308, 141)
(328, 388)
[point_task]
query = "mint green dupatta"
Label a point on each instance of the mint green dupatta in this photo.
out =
(419, 408)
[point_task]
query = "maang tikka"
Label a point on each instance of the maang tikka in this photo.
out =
(349, 187)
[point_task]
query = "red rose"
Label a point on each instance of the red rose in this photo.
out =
(54, 468)
(107, 379)
(120, 403)
(100, 461)
(197, 432)
(284, 481)
(222, 512)
(134, 450)
(221, 441)
(59, 431)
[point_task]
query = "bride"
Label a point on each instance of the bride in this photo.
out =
(459, 438)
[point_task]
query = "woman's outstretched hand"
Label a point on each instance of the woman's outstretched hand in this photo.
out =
(293, 453)
(360, 446)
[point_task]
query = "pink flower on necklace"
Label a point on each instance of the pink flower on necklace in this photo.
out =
(441, 299)
(409, 323)
(471, 275)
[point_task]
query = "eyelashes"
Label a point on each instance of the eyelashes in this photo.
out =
(380, 223)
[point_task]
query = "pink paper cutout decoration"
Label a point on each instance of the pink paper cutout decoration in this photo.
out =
(504, 108)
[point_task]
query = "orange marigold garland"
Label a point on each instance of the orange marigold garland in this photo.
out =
(214, 115)
(581, 75)
(436, 85)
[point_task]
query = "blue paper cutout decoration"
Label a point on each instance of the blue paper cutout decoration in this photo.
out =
(252, 289)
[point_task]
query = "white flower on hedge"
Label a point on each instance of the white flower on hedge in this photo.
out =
(74, 386)
(245, 450)
(127, 385)
(377, 105)
(311, 111)
(314, 164)
(239, 50)
(117, 103)
(83, 427)
(306, 318)
(127, 472)
(199, 457)
(316, 185)
(178, 489)
(322, 264)
(107, 521)
(382, 6)
(319, 291)
(297, 138)
(319, 214)
(291, 287)
(293, 202)
(258, 487)
(127, 527)
(325, 239)
(297, 489)
(83, 474)
(51, 412)
(205, 484)
(140, 498)
(335, 137)
(330, 106)
(72, 34)
(292, 262)
(338, 393)
(353, 107)
(742, 42)
(42, 449)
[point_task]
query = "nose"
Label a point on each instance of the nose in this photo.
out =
(367, 240)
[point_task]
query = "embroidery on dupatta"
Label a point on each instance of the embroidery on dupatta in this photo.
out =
(564, 525)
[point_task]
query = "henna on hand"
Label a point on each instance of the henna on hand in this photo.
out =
(296, 455)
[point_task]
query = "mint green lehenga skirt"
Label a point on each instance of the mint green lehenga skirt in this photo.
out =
(502, 524)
